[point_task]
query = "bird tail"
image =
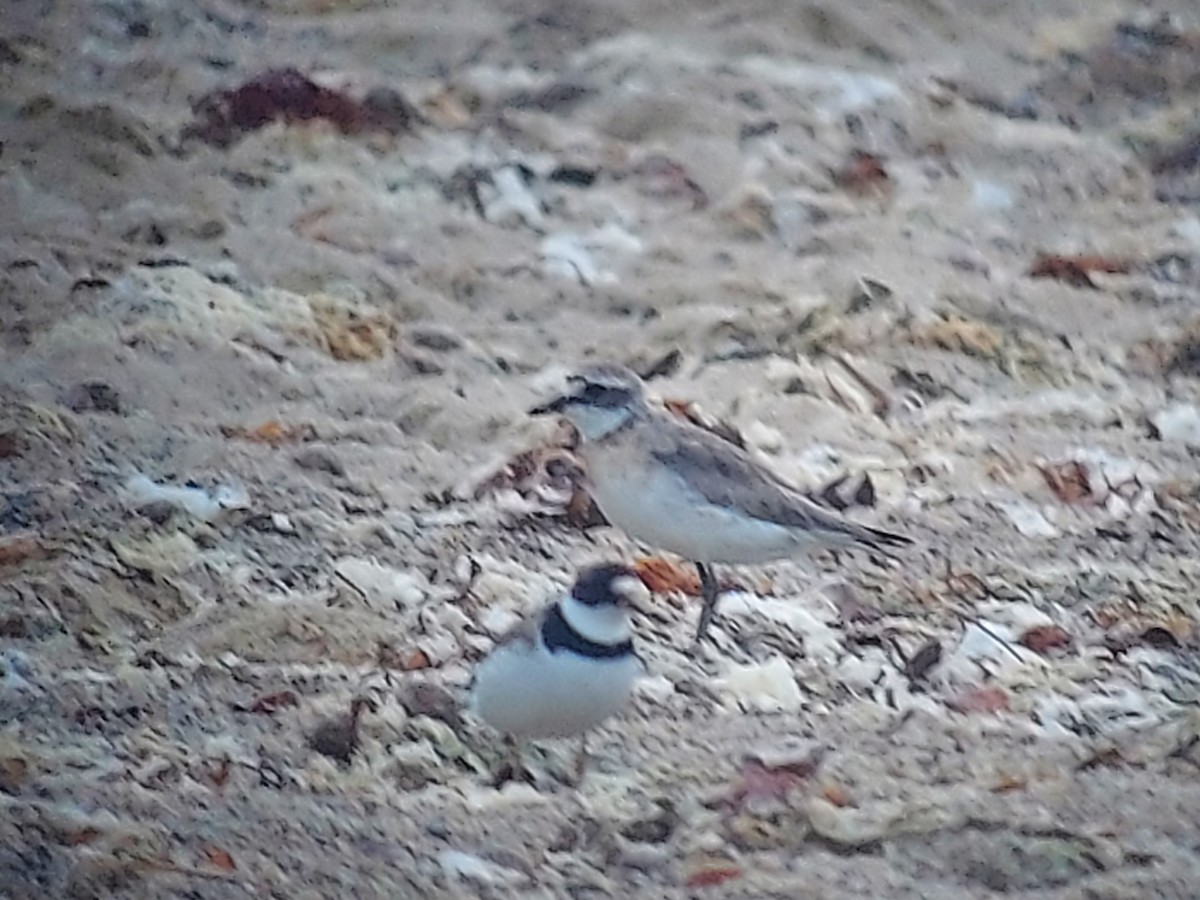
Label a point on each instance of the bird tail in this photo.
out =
(845, 532)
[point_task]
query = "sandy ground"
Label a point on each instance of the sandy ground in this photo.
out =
(252, 381)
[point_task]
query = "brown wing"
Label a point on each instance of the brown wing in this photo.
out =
(726, 476)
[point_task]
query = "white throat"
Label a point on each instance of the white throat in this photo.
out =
(599, 624)
(595, 422)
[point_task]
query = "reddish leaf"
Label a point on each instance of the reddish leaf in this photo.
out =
(1076, 270)
(662, 576)
(982, 700)
(1045, 637)
(418, 659)
(712, 874)
(220, 858)
(222, 117)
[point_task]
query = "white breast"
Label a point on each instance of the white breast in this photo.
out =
(535, 693)
(655, 506)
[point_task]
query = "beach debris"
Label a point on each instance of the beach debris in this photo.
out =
(1077, 270)
(1177, 423)
(959, 335)
(863, 174)
(93, 396)
(589, 257)
(223, 117)
(199, 503)
(352, 332)
(711, 872)
(338, 737)
(382, 586)
(980, 700)
(461, 866)
(272, 432)
(766, 687)
(1043, 638)
(1027, 518)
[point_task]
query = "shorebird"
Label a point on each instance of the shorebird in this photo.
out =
(564, 670)
(681, 488)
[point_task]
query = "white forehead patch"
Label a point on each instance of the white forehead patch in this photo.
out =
(631, 588)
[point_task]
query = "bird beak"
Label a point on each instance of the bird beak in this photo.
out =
(557, 405)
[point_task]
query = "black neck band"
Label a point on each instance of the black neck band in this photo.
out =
(557, 634)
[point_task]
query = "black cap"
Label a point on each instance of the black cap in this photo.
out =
(593, 587)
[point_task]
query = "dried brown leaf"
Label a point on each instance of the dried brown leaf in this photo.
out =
(1042, 638)
(981, 700)
(711, 874)
(417, 659)
(664, 576)
(220, 858)
(1009, 783)
(223, 117)
(1076, 270)
(273, 432)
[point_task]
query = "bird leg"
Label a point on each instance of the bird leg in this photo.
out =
(711, 592)
(581, 760)
(512, 768)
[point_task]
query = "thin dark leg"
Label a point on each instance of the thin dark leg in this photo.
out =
(710, 592)
(581, 760)
(513, 766)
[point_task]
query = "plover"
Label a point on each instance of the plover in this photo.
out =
(568, 668)
(681, 488)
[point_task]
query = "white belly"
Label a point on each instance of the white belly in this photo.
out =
(658, 509)
(542, 694)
